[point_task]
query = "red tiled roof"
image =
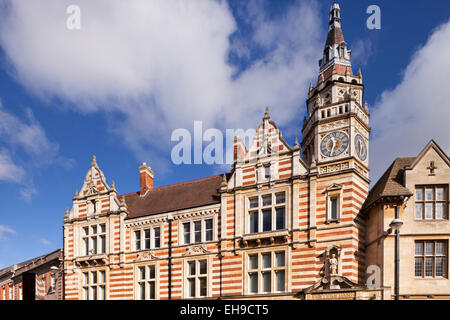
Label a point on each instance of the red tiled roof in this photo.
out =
(185, 195)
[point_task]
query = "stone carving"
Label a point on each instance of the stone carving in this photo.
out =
(195, 250)
(91, 189)
(333, 263)
(146, 255)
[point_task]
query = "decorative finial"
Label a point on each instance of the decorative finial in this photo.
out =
(304, 121)
(321, 78)
(266, 114)
(359, 75)
(76, 193)
(366, 106)
(113, 185)
(66, 216)
(224, 183)
(94, 161)
(310, 87)
(296, 145)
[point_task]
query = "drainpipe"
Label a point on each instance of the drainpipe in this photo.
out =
(63, 266)
(397, 253)
(170, 218)
(220, 268)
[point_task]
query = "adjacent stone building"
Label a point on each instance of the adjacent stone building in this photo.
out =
(419, 187)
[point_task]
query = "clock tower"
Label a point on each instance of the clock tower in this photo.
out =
(336, 130)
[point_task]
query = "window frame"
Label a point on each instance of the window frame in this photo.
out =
(196, 277)
(91, 285)
(423, 256)
(192, 231)
(273, 269)
(334, 192)
(261, 208)
(147, 280)
(142, 239)
(98, 235)
(424, 202)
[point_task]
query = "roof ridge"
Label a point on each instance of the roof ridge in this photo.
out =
(186, 182)
(176, 184)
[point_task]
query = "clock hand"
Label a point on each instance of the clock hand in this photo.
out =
(334, 144)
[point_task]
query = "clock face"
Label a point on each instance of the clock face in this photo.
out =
(334, 144)
(360, 147)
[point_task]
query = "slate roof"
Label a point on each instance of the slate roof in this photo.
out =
(391, 182)
(185, 195)
(31, 263)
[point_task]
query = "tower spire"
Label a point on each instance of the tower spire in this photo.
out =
(335, 54)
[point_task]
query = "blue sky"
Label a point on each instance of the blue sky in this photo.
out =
(118, 87)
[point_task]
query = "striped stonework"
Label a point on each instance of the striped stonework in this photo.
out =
(263, 230)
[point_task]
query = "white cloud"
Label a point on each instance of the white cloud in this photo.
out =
(24, 146)
(29, 136)
(417, 110)
(362, 50)
(158, 65)
(9, 171)
(28, 192)
(4, 231)
(45, 242)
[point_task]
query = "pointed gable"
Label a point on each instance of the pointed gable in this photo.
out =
(267, 140)
(95, 197)
(94, 182)
(431, 153)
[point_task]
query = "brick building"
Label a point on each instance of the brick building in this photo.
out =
(36, 279)
(279, 225)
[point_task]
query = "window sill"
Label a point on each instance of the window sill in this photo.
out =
(265, 234)
(431, 278)
(91, 260)
(268, 237)
(196, 243)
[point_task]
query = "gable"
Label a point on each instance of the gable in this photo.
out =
(94, 181)
(431, 161)
(266, 142)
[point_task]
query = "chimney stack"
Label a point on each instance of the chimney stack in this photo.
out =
(146, 177)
